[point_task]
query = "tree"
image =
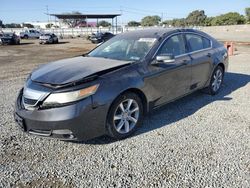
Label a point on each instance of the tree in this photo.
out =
(176, 22)
(179, 22)
(12, 25)
(134, 24)
(49, 25)
(28, 25)
(247, 10)
(150, 21)
(1, 23)
(231, 18)
(103, 23)
(208, 21)
(74, 22)
(196, 18)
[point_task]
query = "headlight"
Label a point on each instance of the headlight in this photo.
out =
(67, 97)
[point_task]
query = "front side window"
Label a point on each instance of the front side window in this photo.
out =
(197, 42)
(174, 45)
(124, 48)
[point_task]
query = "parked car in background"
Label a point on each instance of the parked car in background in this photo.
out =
(100, 37)
(31, 33)
(9, 38)
(110, 89)
(48, 38)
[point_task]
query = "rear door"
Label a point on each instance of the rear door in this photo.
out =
(200, 50)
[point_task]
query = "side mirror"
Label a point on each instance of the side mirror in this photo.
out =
(169, 58)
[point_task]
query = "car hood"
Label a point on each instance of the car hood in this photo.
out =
(6, 38)
(74, 69)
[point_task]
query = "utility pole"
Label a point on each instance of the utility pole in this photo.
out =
(47, 10)
(121, 15)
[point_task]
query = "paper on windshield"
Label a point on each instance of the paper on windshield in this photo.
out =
(149, 40)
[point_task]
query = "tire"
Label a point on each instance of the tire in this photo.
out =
(25, 36)
(121, 123)
(216, 81)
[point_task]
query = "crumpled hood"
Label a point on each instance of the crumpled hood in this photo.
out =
(69, 70)
(6, 38)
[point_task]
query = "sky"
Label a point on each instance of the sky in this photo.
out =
(18, 11)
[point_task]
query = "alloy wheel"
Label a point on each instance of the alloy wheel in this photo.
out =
(218, 76)
(126, 116)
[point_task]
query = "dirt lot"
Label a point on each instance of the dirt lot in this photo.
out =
(198, 141)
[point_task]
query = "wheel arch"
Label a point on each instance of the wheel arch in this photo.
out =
(136, 91)
(139, 93)
(221, 65)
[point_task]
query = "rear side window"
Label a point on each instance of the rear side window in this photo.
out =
(174, 45)
(206, 43)
(197, 42)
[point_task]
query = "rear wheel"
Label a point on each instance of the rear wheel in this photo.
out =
(25, 36)
(125, 116)
(216, 80)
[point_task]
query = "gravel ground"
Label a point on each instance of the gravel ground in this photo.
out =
(197, 141)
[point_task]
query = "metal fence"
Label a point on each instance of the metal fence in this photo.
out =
(75, 32)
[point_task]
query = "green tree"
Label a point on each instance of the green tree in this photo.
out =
(28, 25)
(12, 25)
(247, 10)
(196, 18)
(231, 18)
(176, 22)
(73, 22)
(134, 24)
(150, 20)
(49, 25)
(208, 21)
(104, 23)
(179, 22)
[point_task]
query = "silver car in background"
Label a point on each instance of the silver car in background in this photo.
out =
(48, 38)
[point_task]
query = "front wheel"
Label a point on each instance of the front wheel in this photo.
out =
(125, 116)
(216, 80)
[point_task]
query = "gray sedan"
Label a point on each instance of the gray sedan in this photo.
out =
(48, 38)
(110, 89)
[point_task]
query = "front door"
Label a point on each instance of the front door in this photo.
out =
(170, 80)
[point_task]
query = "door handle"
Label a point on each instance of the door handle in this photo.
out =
(209, 55)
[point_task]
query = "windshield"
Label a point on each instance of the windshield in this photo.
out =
(124, 48)
(8, 34)
(46, 34)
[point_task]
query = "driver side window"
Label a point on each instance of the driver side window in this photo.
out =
(175, 45)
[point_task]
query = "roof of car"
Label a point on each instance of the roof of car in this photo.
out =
(47, 33)
(155, 32)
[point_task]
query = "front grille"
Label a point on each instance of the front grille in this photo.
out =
(29, 101)
(5, 40)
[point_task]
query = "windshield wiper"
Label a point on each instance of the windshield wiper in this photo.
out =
(85, 55)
